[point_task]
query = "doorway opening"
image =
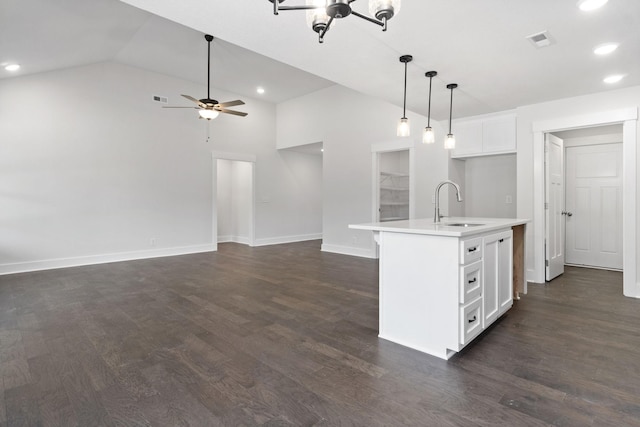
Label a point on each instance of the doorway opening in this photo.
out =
(628, 119)
(584, 199)
(234, 199)
(393, 181)
(394, 185)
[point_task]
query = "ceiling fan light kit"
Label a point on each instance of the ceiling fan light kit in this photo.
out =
(209, 108)
(322, 13)
(208, 114)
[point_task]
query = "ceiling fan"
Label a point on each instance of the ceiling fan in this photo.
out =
(210, 108)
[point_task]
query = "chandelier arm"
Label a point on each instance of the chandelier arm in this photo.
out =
(301, 7)
(325, 29)
(367, 18)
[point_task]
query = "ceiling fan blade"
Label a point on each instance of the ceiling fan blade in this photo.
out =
(197, 101)
(235, 113)
(196, 108)
(230, 104)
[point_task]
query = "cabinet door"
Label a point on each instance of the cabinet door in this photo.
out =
(490, 303)
(468, 138)
(499, 135)
(505, 271)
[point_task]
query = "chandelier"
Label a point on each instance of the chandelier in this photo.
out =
(322, 13)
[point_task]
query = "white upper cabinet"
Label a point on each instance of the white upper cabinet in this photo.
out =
(485, 135)
(468, 139)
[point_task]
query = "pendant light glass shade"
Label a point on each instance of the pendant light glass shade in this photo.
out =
(428, 136)
(208, 114)
(450, 140)
(384, 9)
(317, 19)
(403, 127)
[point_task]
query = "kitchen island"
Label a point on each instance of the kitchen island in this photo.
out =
(441, 284)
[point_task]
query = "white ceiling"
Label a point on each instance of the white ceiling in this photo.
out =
(480, 45)
(78, 32)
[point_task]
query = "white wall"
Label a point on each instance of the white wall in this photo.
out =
(395, 161)
(305, 183)
(609, 138)
(529, 166)
(92, 170)
(456, 174)
(349, 123)
(489, 180)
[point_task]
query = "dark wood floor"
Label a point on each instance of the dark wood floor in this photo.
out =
(287, 335)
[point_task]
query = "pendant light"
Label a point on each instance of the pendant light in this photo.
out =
(403, 125)
(428, 137)
(450, 140)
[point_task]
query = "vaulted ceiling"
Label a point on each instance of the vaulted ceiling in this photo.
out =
(481, 45)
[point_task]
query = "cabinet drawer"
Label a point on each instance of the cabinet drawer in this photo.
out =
(470, 250)
(470, 282)
(470, 320)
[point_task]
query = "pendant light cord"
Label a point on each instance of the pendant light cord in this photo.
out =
(208, 68)
(429, 110)
(450, 110)
(404, 105)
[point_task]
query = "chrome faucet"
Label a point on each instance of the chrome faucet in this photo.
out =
(436, 216)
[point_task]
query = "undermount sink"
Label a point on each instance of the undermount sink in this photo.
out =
(460, 224)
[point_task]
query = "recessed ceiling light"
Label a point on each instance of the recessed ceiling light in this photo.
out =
(260, 90)
(588, 5)
(12, 67)
(613, 78)
(605, 48)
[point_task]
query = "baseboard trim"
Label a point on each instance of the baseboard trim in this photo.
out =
(348, 250)
(234, 239)
(287, 239)
(24, 267)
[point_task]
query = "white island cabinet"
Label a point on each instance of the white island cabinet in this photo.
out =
(443, 284)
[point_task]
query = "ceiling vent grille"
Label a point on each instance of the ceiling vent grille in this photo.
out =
(541, 39)
(160, 99)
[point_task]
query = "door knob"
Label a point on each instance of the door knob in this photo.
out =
(569, 214)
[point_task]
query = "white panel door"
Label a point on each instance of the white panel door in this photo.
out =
(594, 200)
(554, 203)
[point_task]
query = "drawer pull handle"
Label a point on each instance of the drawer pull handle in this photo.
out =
(473, 249)
(473, 280)
(473, 320)
(501, 240)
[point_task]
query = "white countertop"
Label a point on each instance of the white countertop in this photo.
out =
(427, 226)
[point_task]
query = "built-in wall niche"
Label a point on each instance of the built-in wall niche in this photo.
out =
(489, 189)
(394, 185)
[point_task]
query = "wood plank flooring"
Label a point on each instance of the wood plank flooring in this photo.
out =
(287, 335)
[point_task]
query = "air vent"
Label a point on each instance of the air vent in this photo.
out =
(160, 99)
(542, 39)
